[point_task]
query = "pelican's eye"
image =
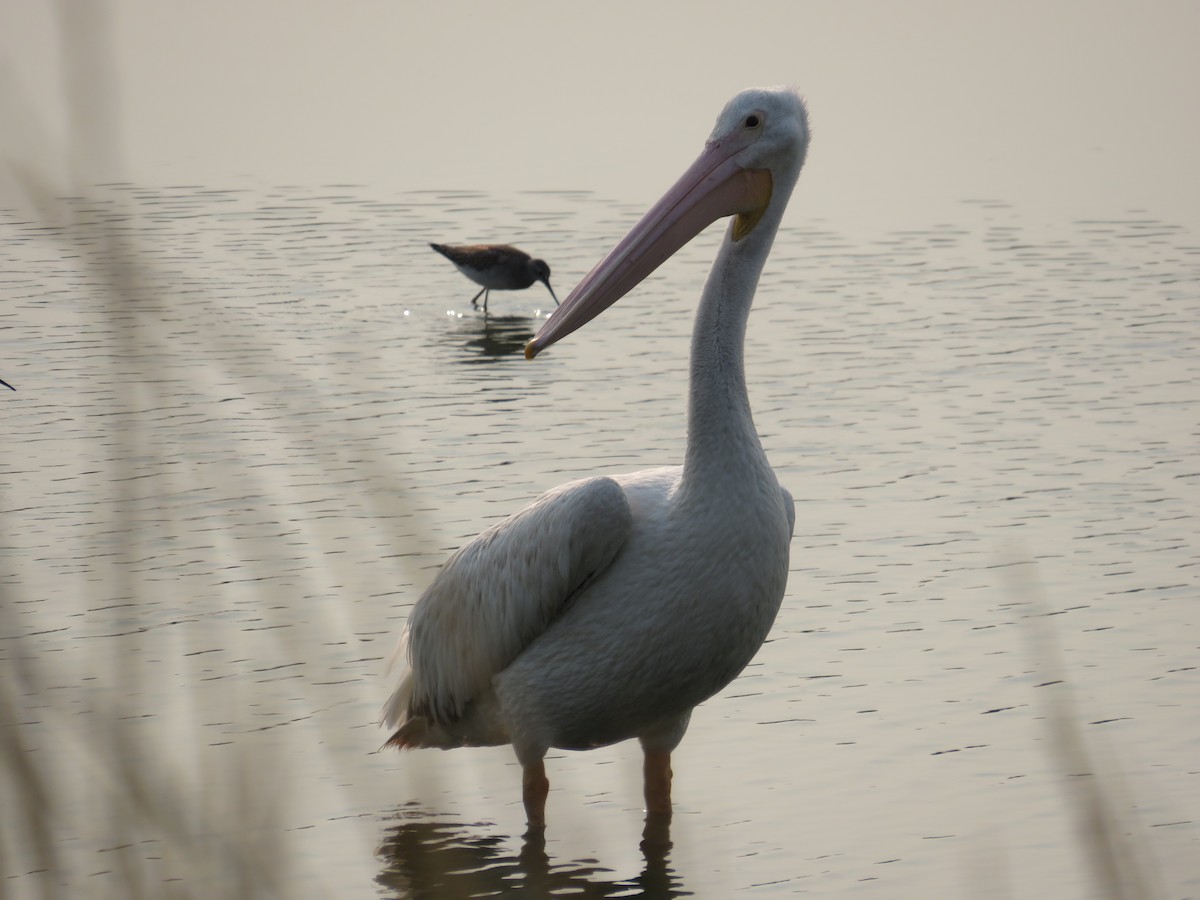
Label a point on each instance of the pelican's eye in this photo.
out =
(753, 121)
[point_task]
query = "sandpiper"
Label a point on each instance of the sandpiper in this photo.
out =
(497, 267)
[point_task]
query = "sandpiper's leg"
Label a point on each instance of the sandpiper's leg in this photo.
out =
(486, 294)
(657, 773)
(477, 296)
(534, 788)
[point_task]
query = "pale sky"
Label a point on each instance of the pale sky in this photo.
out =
(1072, 108)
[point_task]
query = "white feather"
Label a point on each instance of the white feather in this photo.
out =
(499, 592)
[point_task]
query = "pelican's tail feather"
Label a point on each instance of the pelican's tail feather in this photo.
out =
(398, 708)
(412, 734)
(480, 726)
(413, 725)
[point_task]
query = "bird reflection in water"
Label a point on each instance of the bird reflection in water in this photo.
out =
(496, 337)
(423, 860)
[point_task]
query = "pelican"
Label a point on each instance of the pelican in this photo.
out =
(497, 267)
(610, 607)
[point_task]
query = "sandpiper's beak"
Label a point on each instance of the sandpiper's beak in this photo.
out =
(546, 282)
(712, 187)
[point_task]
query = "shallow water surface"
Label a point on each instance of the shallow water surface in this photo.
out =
(249, 424)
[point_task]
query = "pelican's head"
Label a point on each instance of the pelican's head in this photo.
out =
(748, 168)
(764, 128)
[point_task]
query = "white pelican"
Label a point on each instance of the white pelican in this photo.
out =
(609, 608)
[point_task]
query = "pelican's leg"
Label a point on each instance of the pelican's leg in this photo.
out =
(482, 291)
(657, 743)
(534, 788)
(657, 773)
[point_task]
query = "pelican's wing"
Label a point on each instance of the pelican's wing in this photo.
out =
(789, 506)
(498, 593)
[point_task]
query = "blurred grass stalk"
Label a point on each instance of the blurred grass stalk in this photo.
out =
(161, 836)
(1114, 855)
(165, 831)
(92, 796)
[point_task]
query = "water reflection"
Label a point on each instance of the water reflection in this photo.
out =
(447, 861)
(493, 337)
(931, 392)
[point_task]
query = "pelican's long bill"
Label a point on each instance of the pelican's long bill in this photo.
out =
(713, 186)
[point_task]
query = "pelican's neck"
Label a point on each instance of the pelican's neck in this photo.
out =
(722, 442)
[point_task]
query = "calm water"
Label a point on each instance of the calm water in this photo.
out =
(225, 485)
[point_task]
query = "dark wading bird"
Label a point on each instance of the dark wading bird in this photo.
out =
(610, 607)
(497, 267)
